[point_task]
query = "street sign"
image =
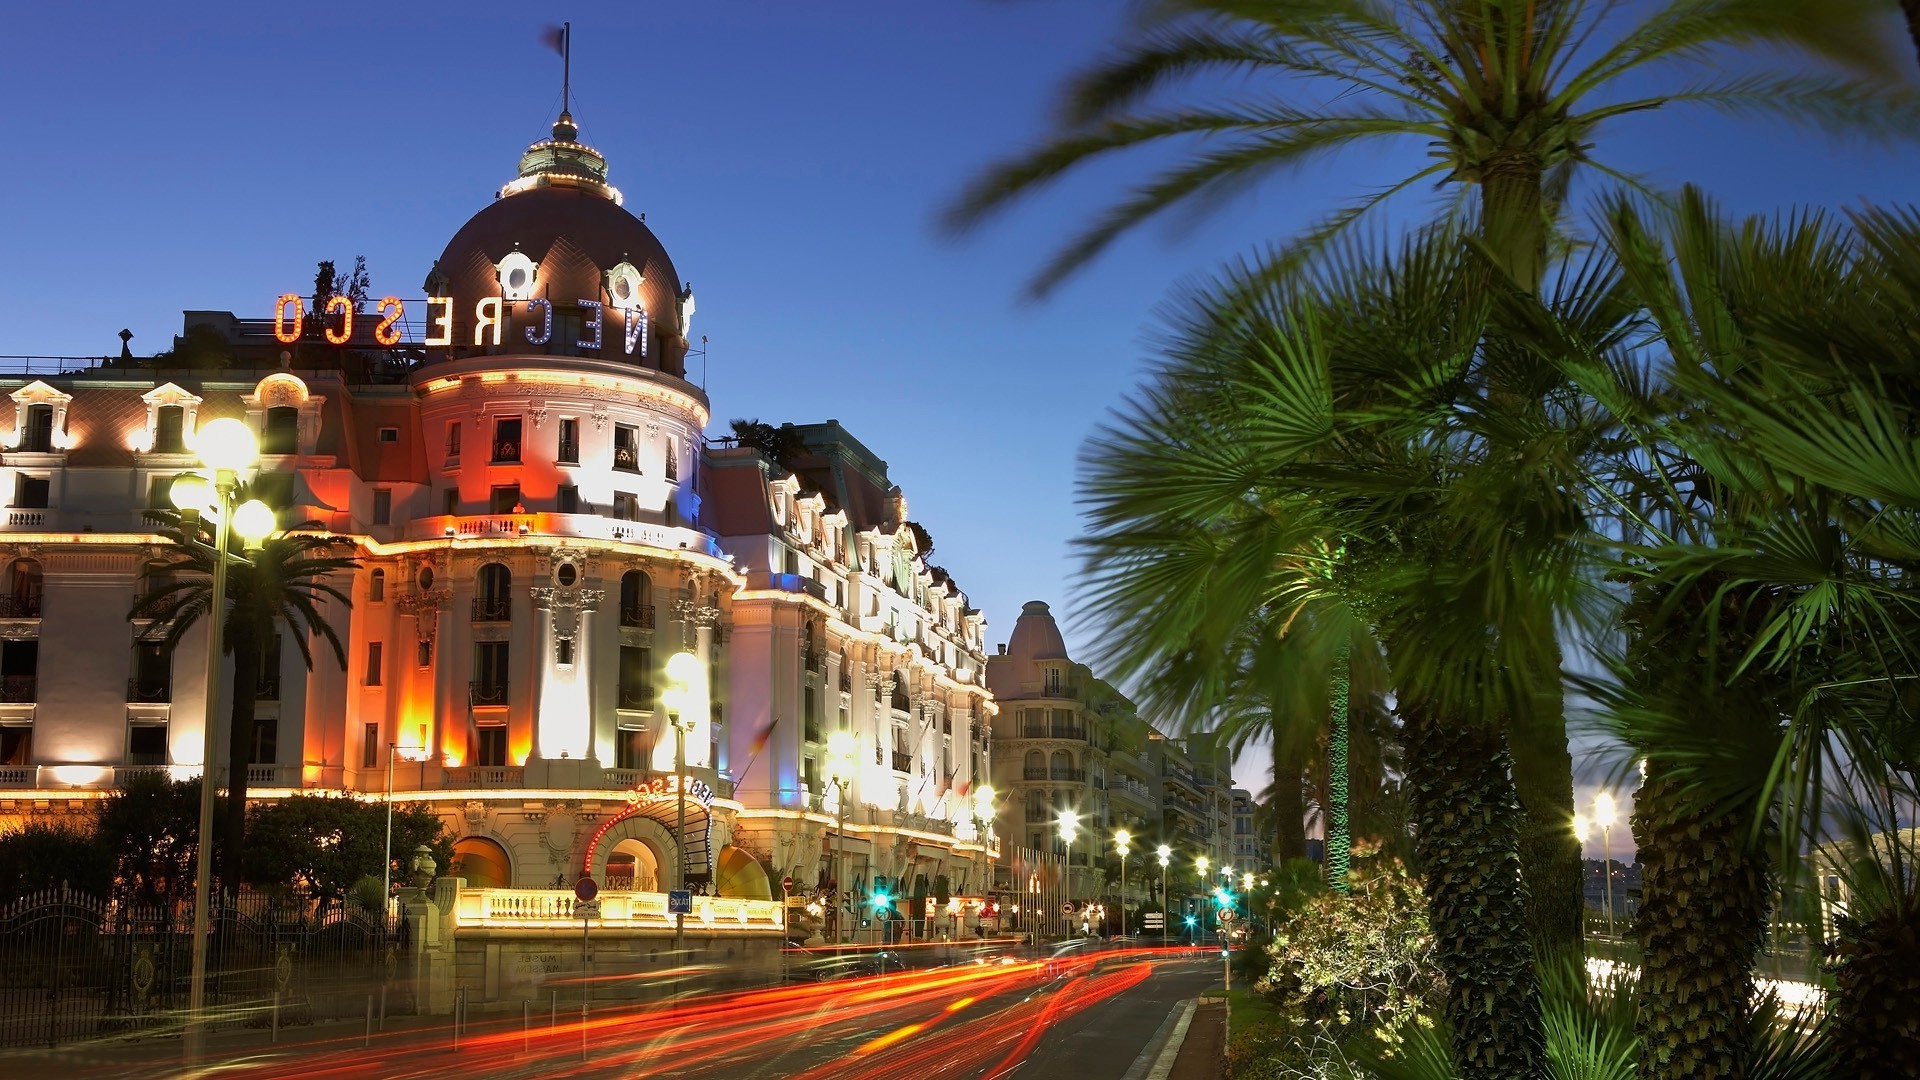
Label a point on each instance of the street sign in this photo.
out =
(786, 884)
(1226, 916)
(680, 902)
(585, 889)
(1153, 920)
(587, 909)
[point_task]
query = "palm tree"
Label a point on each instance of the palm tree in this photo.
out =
(282, 584)
(1506, 97)
(1330, 471)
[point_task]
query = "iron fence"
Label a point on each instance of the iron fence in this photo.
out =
(74, 967)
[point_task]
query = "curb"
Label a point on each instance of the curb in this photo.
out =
(1156, 1061)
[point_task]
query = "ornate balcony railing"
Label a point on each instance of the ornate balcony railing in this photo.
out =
(902, 761)
(141, 691)
(19, 689)
(487, 692)
(492, 609)
(637, 615)
(486, 776)
(639, 697)
(267, 688)
(19, 607)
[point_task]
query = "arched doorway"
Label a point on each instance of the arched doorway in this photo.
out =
(741, 875)
(633, 866)
(483, 862)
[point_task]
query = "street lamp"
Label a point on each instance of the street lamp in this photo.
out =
(1603, 816)
(225, 446)
(686, 673)
(1166, 909)
(386, 864)
(1120, 841)
(1200, 866)
(839, 774)
(1069, 828)
(984, 809)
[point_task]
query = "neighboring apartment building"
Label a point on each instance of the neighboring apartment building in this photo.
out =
(517, 462)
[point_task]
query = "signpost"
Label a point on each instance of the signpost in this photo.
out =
(1153, 920)
(680, 902)
(586, 909)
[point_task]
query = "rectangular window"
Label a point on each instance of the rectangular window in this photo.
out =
(569, 451)
(382, 506)
(152, 673)
(491, 745)
(425, 655)
(626, 448)
(569, 500)
(147, 744)
(282, 432)
(673, 462)
(160, 492)
(453, 441)
(19, 671)
(373, 663)
(370, 747)
(169, 430)
(450, 502)
(506, 440)
(38, 436)
(490, 673)
(636, 677)
(503, 499)
(626, 506)
(16, 745)
(266, 740)
(390, 434)
(34, 493)
(630, 748)
(563, 652)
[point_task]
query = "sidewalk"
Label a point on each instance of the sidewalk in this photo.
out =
(1203, 1056)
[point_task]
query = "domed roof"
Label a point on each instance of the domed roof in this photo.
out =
(1035, 635)
(563, 217)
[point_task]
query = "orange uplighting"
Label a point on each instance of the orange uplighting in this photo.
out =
(345, 307)
(280, 332)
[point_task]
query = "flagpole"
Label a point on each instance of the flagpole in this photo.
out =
(566, 65)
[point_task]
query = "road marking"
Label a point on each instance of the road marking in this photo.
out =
(1156, 1061)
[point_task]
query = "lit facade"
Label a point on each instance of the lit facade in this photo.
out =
(518, 463)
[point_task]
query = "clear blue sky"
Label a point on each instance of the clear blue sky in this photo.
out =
(791, 157)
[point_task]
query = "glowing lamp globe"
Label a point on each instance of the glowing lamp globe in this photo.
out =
(1580, 827)
(253, 521)
(1604, 812)
(684, 668)
(226, 443)
(983, 797)
(192, 491)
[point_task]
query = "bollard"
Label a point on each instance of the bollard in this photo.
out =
(456, 1022)
(526, 1025)
(276, 1017)
(368, 1040)
(554, 1021)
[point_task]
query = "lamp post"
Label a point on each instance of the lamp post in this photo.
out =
(840, 774)
(1166, 908)
(1200, 866)
(686, 673)
(984, 809)
(1581, 827)
(1603, 816)
(1120, 841)
(225, 446)
(1069, 828)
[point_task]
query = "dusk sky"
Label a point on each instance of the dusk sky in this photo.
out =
(791, 157)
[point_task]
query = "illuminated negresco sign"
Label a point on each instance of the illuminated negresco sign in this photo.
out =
(494, 318)
(668, 788)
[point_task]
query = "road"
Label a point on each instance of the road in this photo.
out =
(1088, 1017)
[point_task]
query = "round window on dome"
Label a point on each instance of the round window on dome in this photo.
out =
(623, 286)
(518, 275)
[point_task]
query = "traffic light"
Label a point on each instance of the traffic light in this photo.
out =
(881, 900)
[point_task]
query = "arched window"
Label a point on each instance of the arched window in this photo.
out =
(169, 430)
(23, 589)
(493, 594)
(636, 599)
(282, 431)
(1062, 765)
(900, 692)
(1036, 765)
(1036, 806)
(377, 587)
(846, 673)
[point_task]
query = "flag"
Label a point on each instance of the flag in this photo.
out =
(555, 38)
(761, 740)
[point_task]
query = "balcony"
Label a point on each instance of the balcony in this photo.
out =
(141, 691)
(487, 692)
(19, 607)
(639, 698)
(125, 774)
(267, 688)
(902, 761)
(506, 453)
(637, 615)
(19, 689)
(19, 776)
(1077, 732)
(626, 459)
(812, 659)
(486, 776)
(793, 583)
(492, 609)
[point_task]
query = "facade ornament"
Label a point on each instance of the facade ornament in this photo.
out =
(566, 606)
(476, 813)
(539, 414)
(653, 425)
(600, 418)
(424, 605)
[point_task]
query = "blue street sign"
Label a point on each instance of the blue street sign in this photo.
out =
(680, 902)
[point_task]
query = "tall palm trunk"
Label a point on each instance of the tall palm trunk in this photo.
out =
(1876, 1029)
(1339, 824)
(1543, 779)
(1462, 806)
(1289, 804)
(246, 683)
(1702, 918)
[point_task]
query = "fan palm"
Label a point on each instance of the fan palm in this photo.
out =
(1506, 96)
(283, 584)
(1332, 469)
